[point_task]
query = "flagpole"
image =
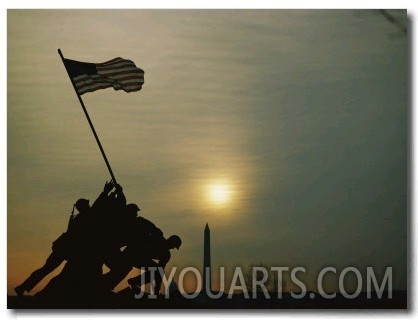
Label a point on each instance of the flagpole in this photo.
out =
(89, 120)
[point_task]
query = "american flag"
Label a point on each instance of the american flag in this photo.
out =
(119, 73)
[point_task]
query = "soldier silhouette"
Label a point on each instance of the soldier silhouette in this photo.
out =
(133, 229)
(143, 242)
(109, 232)
(61, 248)
(143, 255)
(76, 246)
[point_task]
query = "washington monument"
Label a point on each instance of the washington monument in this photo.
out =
(207, 279)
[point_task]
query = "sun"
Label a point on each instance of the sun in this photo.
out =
(219, 193)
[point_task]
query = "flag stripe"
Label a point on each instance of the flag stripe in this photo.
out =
(116, 64)
(111, 61)
(102, 85)
(119, 73)
(82, 82)
(97, 86)
(107, 84)
(120, 77)
(85, 85)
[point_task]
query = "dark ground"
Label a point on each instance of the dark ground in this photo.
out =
(127, 300)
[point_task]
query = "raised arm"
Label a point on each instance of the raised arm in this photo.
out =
(104, 195)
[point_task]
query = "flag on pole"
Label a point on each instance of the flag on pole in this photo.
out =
(119, 73)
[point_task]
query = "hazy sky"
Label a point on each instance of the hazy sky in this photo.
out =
(302, 114)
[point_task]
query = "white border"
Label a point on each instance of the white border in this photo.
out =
(221, 4)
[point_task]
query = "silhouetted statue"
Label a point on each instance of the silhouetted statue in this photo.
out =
(117, 235)
(82, 244)
(110, 233)
(143, 256)
(61, 250)
(136, 231)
